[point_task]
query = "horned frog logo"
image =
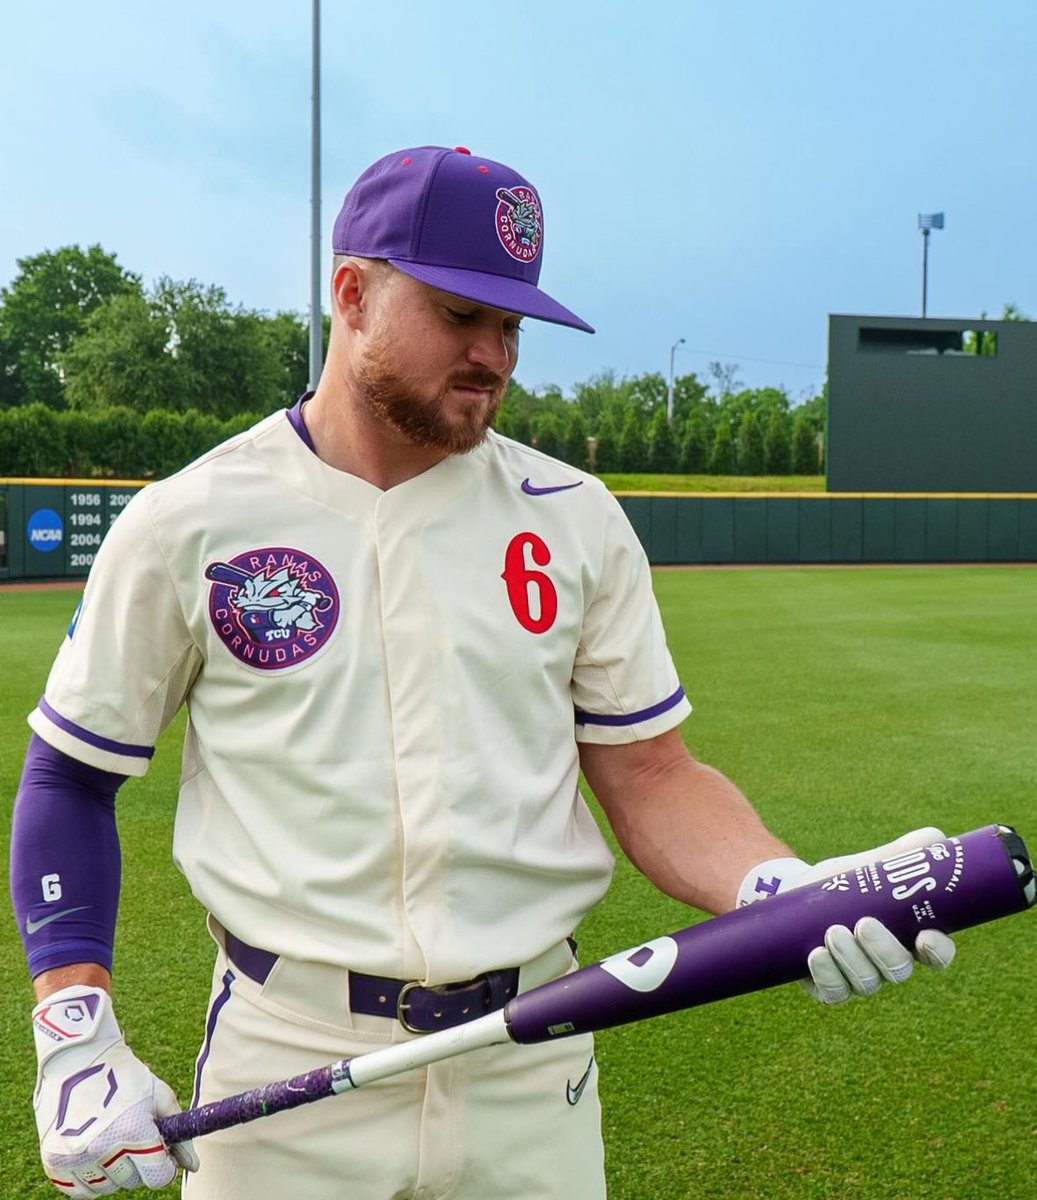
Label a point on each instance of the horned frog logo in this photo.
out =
(273, 607)
(520, 225)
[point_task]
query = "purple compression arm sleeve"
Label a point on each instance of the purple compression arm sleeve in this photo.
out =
(65, 862)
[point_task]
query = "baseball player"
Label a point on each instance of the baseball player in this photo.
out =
(398, 636)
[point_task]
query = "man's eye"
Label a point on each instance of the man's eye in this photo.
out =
(513, 328)
(455, 314)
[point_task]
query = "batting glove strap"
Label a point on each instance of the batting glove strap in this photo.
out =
(770, 878)
(96, 1102)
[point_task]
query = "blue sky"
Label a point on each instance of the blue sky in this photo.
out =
(729, 172)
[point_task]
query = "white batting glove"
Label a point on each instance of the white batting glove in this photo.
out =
(96, 1102)
(853, 962)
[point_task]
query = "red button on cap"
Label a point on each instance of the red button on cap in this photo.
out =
(462, 150)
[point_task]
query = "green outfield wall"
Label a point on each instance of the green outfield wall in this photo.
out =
(51, 529)
(834, 528)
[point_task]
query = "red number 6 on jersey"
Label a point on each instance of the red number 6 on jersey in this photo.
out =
(535, 615)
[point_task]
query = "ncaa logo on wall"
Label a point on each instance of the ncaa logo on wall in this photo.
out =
(45, 530)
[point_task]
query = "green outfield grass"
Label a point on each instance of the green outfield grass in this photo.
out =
(852, 705)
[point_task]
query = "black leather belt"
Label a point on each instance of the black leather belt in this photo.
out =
(418, 1008)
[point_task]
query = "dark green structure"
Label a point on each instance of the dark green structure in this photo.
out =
(931, 405)
(819, 528)
(51, 528)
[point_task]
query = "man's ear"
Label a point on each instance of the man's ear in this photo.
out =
(351, 286)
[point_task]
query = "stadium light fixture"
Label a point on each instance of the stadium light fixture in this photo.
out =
(927, 222)
(669, 390)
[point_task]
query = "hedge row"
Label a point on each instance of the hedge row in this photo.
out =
(41, 442)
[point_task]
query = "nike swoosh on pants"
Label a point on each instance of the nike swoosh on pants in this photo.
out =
(573, 1094)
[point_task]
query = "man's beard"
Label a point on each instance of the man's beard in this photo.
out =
(392, 400)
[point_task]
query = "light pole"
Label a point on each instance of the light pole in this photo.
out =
(316, 325)
(927, 221)
(669, 390)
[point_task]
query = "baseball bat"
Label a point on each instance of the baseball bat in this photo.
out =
(225, 573)
(508, 197)
(949, 885)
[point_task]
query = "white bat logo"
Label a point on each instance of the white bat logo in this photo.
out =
(648, 975)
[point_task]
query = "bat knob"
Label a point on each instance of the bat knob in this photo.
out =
(1016, 850)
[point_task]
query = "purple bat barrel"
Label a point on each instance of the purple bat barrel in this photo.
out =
(949, 885)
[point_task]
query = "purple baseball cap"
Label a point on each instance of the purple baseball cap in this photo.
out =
(465, 225)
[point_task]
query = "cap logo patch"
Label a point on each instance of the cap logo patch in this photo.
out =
(520, 226)
(273, 607)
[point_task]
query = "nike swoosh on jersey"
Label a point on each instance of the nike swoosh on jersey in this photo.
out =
(573, 1094)
(532, 490)
(32, 926)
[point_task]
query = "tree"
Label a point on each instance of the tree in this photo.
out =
(548, 433)
(183, 347)
(725, 378)
(12, 385)
(777, 444)
(722, 452)
(288, 335)
(804, 445)
(44, 310)
(695, 446)
(593, 396)
(689, 395)
(225, 361)
(633, 450)
(122, 359)
(645, 393)
(750, 445)
(663, 453)
(515, 413)
(606, 450)
(574, 448)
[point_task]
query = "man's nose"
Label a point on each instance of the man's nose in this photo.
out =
(492, 348)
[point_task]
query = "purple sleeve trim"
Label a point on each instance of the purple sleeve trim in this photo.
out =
(634, 718)
(65, 862)
(68, 952)
(296, 421)
(126, 749)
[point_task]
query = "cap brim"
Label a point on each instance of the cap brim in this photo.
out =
(497, 291)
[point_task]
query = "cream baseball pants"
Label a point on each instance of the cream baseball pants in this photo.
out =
(493, 1123)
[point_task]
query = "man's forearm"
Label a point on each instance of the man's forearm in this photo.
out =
(685, 825)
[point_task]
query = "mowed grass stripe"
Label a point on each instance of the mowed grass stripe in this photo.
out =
(852, 706)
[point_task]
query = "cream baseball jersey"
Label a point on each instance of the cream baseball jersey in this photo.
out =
(385, 693)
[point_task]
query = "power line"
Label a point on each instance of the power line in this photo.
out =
(778, 362)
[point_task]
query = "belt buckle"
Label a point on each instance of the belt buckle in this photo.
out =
(402, 1006)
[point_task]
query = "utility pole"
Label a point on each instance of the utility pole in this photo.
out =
(316, 323)
(669, 390)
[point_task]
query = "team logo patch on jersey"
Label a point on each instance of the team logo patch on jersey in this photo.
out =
(519, 223)
(273, 607)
